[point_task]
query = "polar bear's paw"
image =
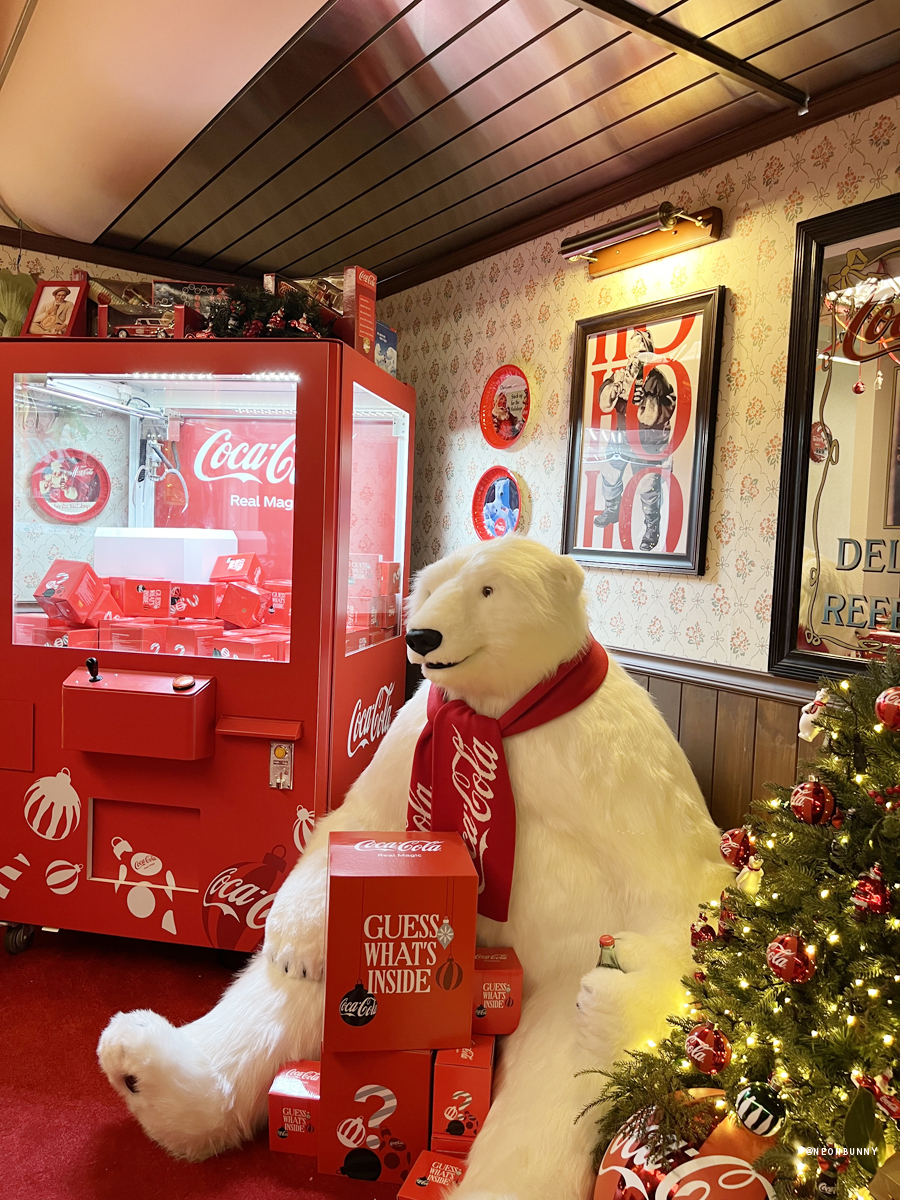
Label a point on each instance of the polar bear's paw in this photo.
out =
(295, 954)
(610, 1004)
(167, 1083)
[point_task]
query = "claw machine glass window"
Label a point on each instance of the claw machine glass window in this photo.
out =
(377, 521)
(154, 513)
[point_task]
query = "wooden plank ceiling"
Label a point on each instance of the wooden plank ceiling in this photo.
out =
(395, 134)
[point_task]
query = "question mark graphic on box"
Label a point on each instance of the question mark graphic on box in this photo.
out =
(463, 1100)
(388, 1108)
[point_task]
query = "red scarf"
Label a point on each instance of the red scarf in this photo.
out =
(460, 780)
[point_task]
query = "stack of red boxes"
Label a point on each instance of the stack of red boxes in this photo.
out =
(230, 616)
(373, 601)
(402, 982)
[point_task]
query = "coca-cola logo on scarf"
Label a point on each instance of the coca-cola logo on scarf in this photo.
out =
(474, 769)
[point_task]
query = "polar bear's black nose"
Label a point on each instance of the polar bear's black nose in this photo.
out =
(423, 641)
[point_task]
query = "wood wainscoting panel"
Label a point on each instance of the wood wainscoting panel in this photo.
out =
(698, 733)
(775, 757)
(733, 767)
(666, 694)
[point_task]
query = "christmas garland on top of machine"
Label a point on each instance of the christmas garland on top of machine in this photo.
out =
(251, 312)
(794, 1008)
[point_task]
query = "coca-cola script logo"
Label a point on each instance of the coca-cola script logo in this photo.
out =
(222, 457)
(474, 786)
(359, 1006)
(229, 892)
(400, 847)
(237, 901)
(367, 725)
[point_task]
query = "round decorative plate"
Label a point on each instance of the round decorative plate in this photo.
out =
(496, 504)
(70, 485)
(505, 404)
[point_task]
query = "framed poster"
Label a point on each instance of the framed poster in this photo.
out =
(836, 595)
(642, 420)
(57, 309)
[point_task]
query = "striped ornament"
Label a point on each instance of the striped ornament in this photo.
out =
(760, 1109)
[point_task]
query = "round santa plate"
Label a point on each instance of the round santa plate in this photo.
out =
(70, 485)
(505, 404)
(496, 504)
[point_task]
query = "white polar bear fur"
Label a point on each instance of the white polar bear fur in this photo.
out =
(612, 837)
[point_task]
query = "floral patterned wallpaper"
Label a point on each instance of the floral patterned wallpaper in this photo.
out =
(520, 307)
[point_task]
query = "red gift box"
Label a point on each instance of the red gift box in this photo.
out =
(265, 648)
(105, 609)
(193, 600)
(243, 605)
(236, 568)
(54, 635)
(279, 609)
(135, 636)
(389, 581)
(358, 641)
(462, 1091)
(431, 1175)
(497, 1000)
(69, 589)
(386, 608)
(141, 597)
(192, 638)
(294, 1109)
(374, 1113)
(400, 941)
(362, 614)
(455, 1147)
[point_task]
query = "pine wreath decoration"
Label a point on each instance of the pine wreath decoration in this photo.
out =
(252, 312)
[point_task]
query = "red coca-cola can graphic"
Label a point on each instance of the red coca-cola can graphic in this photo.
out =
(237, 901)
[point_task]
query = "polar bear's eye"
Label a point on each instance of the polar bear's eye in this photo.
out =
(487, 591)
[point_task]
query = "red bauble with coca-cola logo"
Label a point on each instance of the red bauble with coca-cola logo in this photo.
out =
(789, 958)
(813, 803)
(871, 895)
(708, 1048)
(736, 847)
(237, 902)
(718, 1168)
(887, 708)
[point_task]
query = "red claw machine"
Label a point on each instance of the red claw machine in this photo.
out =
(206, 548)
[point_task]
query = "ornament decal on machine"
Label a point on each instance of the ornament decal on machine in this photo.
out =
(303, 827)
(12, 874)
(62, 877)
(141, 896)
(237, 901)
(53, 807)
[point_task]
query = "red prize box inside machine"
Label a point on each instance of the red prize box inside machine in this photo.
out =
(197, 600)
(135, 712)
(243, 604)
(141, 597)
(237, 568)
(400, 942)
(294, 1109)
(497, 1002)
(279, 610)
(374, 1113)
(69, 590)
(431, 1175)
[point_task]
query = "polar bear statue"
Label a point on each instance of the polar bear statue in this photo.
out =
(612, 836)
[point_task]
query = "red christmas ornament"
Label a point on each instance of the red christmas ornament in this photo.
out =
(887, 708)
(812, 802)
(708, 1048)
(237, 901)
(700, 976)
(789, 958)
(833, 1160)
(702, 931)
(736, 847)
(859, 387)
(870, 895)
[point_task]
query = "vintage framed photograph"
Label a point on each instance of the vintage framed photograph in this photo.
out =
(57, 309)
(644, 389)
(836, 595)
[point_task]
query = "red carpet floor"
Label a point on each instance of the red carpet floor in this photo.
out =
(64, 1134)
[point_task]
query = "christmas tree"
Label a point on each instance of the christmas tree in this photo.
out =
(794, 1006)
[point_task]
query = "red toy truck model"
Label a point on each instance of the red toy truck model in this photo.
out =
(165, 789)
